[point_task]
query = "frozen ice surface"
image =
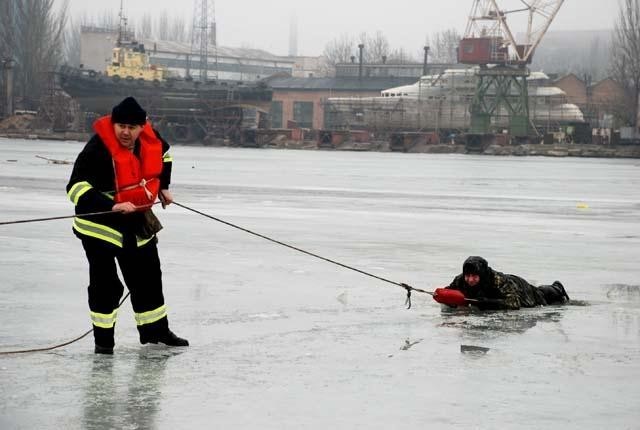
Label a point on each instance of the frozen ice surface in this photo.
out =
(281, 340)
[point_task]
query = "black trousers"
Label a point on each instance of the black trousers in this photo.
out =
(140, 267)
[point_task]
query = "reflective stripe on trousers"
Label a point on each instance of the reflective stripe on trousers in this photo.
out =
(150, 317)
(104, 320)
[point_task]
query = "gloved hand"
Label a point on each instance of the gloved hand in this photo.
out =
(485, 303)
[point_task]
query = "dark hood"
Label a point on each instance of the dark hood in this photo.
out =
(476, 266)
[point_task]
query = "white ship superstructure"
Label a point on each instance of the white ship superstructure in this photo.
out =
(442, 102)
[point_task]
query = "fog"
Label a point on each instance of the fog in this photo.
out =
(265, 25)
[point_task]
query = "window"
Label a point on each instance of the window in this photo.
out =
(276, 114)
(303, 114)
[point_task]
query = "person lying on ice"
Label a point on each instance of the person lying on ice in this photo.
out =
(488, 289)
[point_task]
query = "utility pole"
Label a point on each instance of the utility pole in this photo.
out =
(7, 66)
(361, 49)
(425, 64)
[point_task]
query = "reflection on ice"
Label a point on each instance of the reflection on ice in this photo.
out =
(495, 323)
(623, 292)
(275, 334)
(473, 349)
(126, 394)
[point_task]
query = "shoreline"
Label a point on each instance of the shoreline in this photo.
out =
(516, 150)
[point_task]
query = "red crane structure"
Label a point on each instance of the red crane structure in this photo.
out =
(489, 43)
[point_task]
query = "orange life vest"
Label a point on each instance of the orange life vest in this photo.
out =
(137, 180)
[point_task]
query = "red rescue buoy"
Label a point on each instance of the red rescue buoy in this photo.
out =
(449, 297)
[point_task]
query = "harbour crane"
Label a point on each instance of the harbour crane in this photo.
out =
(490, 44)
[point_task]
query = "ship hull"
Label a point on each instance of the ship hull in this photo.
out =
(185, 110)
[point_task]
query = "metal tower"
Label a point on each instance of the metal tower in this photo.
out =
(204, 38)
(502, 77)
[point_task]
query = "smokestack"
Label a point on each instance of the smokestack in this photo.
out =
(361, 48)
(293, 35)
(426, 61)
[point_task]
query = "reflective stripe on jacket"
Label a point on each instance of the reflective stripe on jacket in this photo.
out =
(94, 229)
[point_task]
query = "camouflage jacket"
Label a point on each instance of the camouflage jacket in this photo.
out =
(505, 291)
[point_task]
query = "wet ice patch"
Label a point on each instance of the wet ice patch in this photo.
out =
(265, 316)
(496, 323)
(408, 344)
(473, 349)
(623, 292)
(342, 298)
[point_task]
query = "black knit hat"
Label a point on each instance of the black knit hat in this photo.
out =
(128, 112)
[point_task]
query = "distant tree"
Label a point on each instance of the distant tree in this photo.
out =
(177, 28)
(107, 19)
(33, 35)
(7, 29)
(162, 27)
(144, 28)
(443, 46)
(340, 50)
(400, 56)
(626, 56)
(72, 43)
(375, 47)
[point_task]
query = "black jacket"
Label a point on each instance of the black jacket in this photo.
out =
(497, 290)
(94, 165)
(503, 291)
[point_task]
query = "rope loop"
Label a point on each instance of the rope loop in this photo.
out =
(407, 302)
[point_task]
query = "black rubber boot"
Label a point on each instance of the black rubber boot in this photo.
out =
(559, 285)
(554, 293)
(103, 338)
(170, 339)
(103, 349)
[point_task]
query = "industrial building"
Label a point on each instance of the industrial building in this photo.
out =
(224, 63)
(598, 100)
(300, 102)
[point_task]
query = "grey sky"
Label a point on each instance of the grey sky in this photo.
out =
(265, 24)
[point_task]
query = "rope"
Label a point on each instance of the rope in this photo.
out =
(407, 287)
(49, 348)
(89, 331)
(23, 221)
